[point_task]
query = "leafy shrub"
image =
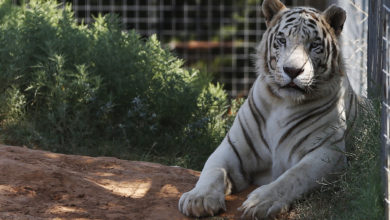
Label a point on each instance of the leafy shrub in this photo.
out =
(97, 90)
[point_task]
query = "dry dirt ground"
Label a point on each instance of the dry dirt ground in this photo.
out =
(37, 184)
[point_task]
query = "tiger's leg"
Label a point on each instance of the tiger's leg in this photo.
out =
(276, 196)
(208, 196)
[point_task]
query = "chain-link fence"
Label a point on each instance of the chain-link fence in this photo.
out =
(379, 77)
(217, 36)
(354, 42)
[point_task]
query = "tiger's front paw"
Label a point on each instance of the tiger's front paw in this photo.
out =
(198, 202)
(263, 203)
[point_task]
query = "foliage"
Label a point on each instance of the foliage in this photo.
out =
(72, 88)
(97, 90)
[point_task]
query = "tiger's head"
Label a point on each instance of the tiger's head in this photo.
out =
(299, 56)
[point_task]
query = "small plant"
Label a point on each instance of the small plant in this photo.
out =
(97, 90)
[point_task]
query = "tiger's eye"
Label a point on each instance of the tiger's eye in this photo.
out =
(281, 41)
(314, 45)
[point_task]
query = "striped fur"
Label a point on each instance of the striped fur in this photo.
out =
(290, 132)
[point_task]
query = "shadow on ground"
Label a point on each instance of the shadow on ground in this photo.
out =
(37, 184)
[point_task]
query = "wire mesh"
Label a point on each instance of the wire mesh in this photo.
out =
(379, 78)
(216, 36)
(386, 99)
(354, 43)
(219, 36)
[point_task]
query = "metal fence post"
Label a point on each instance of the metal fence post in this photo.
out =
(385, 55)
(379, 79)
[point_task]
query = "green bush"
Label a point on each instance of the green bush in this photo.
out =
(96, 90)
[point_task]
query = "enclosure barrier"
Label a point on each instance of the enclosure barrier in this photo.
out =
(216, 36)
(379, 78)
(219, 36)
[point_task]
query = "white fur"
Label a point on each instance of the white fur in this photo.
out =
(288, 168)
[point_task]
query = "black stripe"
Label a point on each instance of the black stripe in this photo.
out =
(313, 22)
(255, 111)
(321, 107)
(319, 145)
(247, 138)
(257, 115)
(289, 14)
(317, 112)
(350, 104)
(270, 39)
(267, 58)
(290, 20)
(306, 31)
(289, 32)
(242, 170)
(266, 68)
(323, 32)
(296, 29)
(295, 147)
(312, 26)
(338, 140)
(276, 28)
(334, 50)
(327, 50)
(288, 25)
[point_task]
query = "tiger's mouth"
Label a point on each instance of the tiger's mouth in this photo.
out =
(293, 86)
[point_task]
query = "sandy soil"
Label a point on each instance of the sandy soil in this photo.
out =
(37, 184)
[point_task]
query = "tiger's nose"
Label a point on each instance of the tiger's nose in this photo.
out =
(292, 72)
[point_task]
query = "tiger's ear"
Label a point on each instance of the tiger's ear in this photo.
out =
(270, 8)
(335, 16)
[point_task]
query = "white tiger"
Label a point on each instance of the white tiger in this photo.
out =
(290, 132)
